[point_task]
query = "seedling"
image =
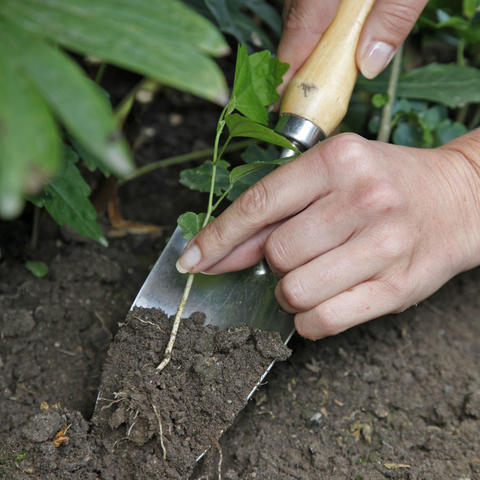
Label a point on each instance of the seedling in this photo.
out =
(256, 78)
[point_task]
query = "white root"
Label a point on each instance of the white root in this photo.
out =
(160, 428)
(176, 323)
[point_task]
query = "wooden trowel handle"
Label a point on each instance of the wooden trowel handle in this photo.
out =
(320, 91)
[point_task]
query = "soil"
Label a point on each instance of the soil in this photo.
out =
(183, 409)
(397, 398)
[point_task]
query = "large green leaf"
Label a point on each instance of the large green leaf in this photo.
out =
(66, 199)
(74, 98)
(447, 84)
(162, 39)
(29, 140)
(256, 78)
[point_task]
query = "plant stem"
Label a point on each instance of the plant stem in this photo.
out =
(178, 159)
(475, 121)
(191, 276)
(461, 53)
(386, 122)
(176, 323)
(124, 107)
(100, 72)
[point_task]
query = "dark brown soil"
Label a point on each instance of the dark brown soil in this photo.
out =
(192, 401)
(396, 398)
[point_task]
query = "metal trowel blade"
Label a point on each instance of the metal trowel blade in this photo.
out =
(245, 297)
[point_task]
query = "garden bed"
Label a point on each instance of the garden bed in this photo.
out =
(396, 398)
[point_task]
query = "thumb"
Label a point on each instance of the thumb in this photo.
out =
(387, 26)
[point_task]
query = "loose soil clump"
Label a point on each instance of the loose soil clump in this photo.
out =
(161, 422)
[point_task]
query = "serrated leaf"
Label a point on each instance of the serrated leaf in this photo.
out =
(199, 178)
(447, 84)
(29, 138)
(66, 199)
(240, 126)
(161, 39)
(73, 97)
(257, 77)
(191, 223)
(38, 269)
(254, 153)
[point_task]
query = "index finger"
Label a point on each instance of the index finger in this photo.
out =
(281, 194)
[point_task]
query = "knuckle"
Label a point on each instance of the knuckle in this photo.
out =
(293, 292)
(254, 202)
(380, 197)
(391, 243)
(302, 16)
(276, 253)
(398, 16)
(214, 234)
(328, 320)
(397, 287)
(350, 152)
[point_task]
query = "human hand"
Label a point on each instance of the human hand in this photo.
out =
(387, 26)
(355, 228)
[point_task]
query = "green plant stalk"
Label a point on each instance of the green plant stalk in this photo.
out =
(100, 72)
(191, 276)
(386, 121)
(125, 105)
(179, 159)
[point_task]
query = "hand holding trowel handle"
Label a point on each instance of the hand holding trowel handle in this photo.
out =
(356, 228)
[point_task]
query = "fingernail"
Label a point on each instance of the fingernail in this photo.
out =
(377, 56)
(189, 258)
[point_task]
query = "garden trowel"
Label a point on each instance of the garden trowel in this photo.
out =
(313, 105)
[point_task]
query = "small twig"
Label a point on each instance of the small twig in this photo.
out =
(386, 122)
(178, 159)
(160, 428)
(176, 324)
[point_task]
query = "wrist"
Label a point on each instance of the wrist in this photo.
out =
(462, 174)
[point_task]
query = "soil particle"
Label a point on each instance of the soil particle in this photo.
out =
(472, 404)
(16, 323)
(191, 402)
(43, 426)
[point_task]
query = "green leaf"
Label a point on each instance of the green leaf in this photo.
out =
(66, 199)
(74, 98)
(38, 269)
(191, 223)
(161, 39)
(240, 126)
(447, 84)
(256, 78)
(410, 134)
(379, 100)
(254, 153)
(449, 130)
(231, 18)
(244, 176)
(200, 178)
(29, 139)
(470, 7)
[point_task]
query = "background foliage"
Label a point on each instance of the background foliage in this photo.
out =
(47, 101)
